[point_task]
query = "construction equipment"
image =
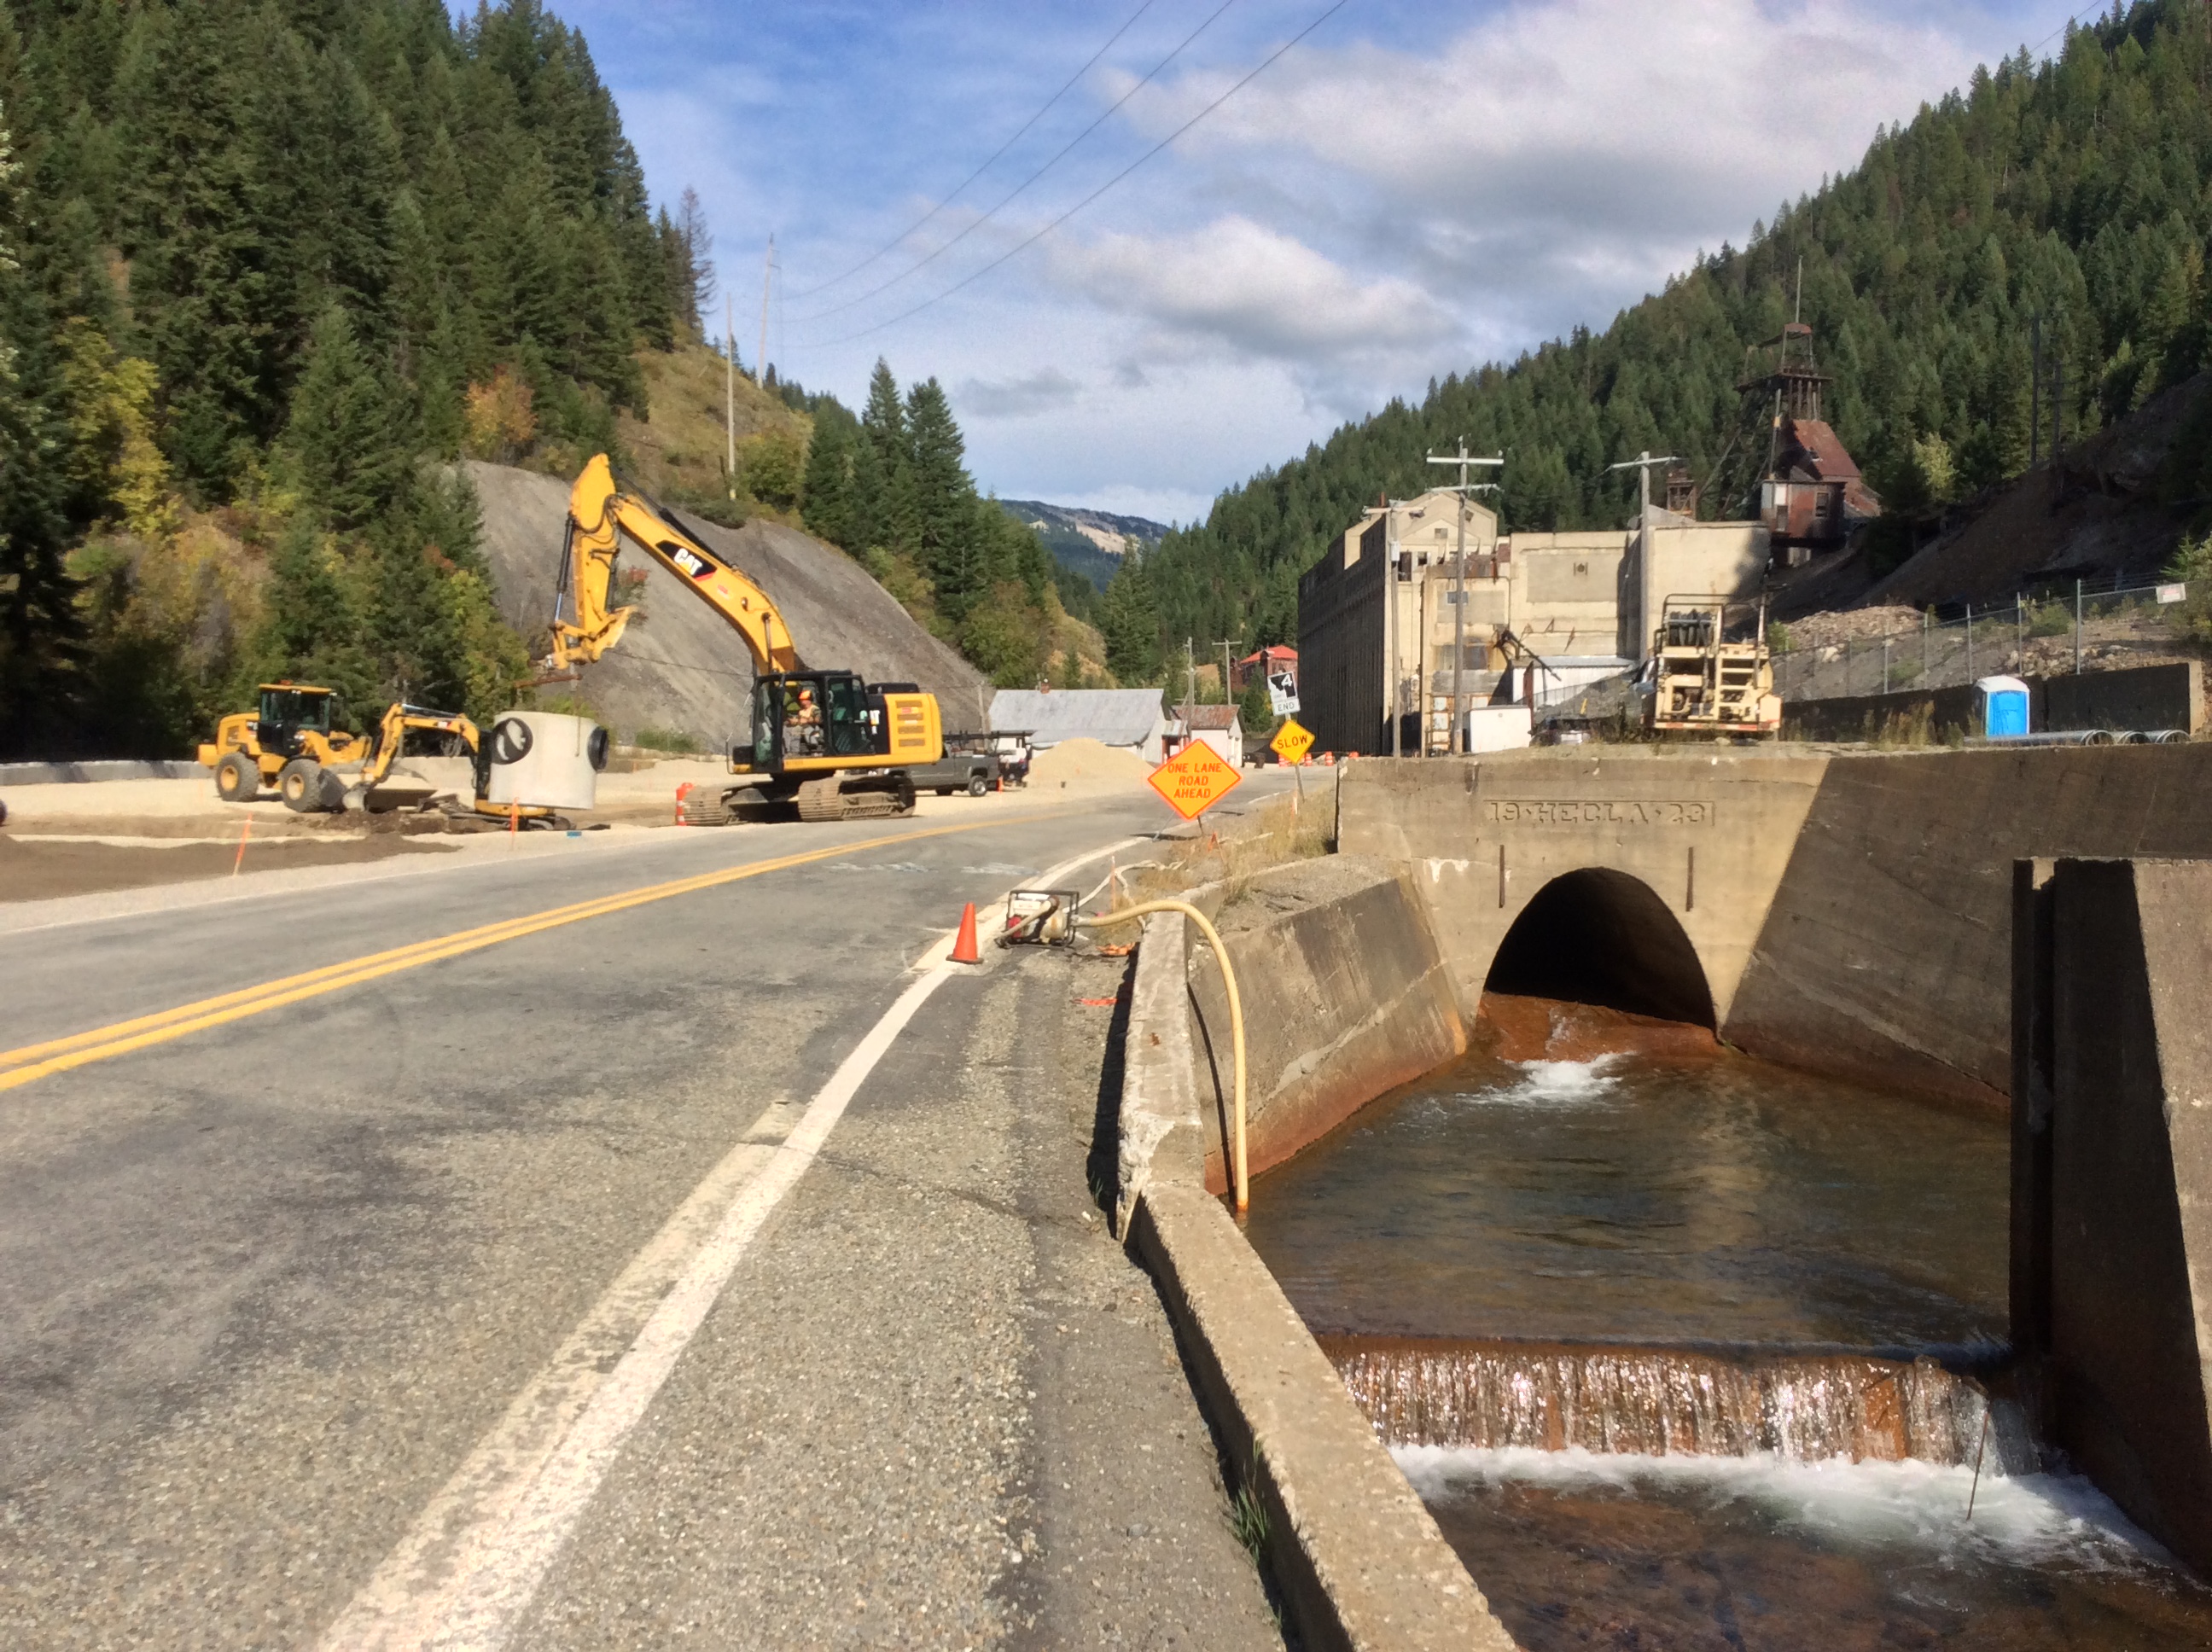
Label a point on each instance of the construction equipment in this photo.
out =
(825, 744)
(290, 744)
(1711, 670)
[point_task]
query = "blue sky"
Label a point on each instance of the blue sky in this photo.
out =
(1412, 190)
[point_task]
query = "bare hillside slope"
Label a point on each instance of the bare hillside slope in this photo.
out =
(680, 667)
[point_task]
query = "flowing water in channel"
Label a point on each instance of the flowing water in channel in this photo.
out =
(1683, 1350)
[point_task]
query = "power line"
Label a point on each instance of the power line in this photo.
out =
(971, 229)
(823, 287)
(1055, 223)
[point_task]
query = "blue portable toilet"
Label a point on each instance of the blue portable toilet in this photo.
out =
(2004, 707)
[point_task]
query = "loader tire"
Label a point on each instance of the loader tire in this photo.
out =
(299, 784)
(237, 777)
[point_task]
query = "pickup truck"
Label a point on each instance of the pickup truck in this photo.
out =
(974, 772)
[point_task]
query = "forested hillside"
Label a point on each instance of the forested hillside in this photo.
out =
(268, 266)
(2080, 188)
(265, 261)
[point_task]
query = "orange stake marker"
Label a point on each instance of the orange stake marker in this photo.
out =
(240, 859)
(513, 821)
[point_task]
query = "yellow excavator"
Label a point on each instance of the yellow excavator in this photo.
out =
(825, 744)
(289, 744)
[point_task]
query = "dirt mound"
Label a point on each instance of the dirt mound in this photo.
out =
(1087, 760)
(681, 667)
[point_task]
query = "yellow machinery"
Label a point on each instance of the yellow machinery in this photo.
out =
(290, 744)
(1712, 672)
(824, 744)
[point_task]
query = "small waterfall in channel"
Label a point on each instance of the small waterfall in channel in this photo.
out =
(1664, 1401)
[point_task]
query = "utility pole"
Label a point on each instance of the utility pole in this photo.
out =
(1189, 676)
(768, 273)
(1645, 597)
(1233, 643)
(1463, 459)
(730, 393)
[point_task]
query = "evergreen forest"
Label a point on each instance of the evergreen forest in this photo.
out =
(2077, 189)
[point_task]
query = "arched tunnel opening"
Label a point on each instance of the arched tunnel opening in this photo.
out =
(1602, 937)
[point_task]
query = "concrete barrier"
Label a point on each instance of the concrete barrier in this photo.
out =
(71, 774)
(2113, 1212)
(2171, 695)
(1359, 1560)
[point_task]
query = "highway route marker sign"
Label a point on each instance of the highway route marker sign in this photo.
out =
(1292, 741)
(1195, 779)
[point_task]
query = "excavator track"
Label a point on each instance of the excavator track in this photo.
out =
(872, 799)
(706, 810)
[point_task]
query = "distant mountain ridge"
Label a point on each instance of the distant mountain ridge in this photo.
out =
(1092, 543)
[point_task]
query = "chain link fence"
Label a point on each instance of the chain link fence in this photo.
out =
(2048, 633)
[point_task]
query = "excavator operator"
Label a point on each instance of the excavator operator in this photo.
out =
(802, 724)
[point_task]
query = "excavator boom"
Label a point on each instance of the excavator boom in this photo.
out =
(600, 517)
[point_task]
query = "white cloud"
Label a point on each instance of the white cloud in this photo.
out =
(1421, 186)
(1042, 391)
(1237, 287)
(1557, 161)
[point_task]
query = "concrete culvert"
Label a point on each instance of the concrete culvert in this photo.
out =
(1602, 937)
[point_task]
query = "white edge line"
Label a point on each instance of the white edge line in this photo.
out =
(482, 1604)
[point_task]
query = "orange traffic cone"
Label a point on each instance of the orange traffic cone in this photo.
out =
(963, 946)
(681, 792)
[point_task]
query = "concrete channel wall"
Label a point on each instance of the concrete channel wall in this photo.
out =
(1850, 912)
(1360, 1562)
(1345, 995)
(2111, 1235)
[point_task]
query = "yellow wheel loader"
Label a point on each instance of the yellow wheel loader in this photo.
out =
(291, 746)
(825, 744)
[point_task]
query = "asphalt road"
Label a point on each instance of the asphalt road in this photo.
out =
(308, 1313)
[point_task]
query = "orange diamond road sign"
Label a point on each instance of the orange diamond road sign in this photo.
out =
(1195, 779)
(1292, 741)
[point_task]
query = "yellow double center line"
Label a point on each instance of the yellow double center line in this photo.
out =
(35, 1061)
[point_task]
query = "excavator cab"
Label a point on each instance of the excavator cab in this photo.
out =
(800, 716)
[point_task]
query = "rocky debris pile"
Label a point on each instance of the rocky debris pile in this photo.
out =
(1831, 629)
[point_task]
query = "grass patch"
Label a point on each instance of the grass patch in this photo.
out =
(1239, 851)
(673, 742)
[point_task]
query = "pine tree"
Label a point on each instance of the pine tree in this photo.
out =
(193, 227)
(880, 467)
(828, 507)
(1129, 622)
(40, 633)
(344, 434)
(940, 503)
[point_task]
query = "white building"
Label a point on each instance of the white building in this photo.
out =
(1221, 727)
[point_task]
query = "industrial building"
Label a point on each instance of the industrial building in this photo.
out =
(1132, 718)
(1539, 615)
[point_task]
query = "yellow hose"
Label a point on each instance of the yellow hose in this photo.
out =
(1239, 1181)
